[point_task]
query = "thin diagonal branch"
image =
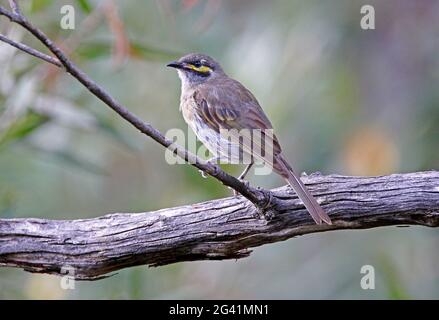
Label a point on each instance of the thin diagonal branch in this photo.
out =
(259, 197)
(214, 230)
(12, 16)
(15, 7)
(31, 51)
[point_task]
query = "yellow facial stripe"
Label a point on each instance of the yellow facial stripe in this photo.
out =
(202, 69)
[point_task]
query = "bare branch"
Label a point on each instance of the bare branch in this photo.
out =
(12, 16)
(214, 230)
(31, 51)
(259, 197)
(15, 7)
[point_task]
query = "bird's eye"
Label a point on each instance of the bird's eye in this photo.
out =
(197, 64)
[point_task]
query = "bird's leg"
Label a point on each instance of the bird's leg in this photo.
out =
(242, 176)
(211, 160)
(246, 170)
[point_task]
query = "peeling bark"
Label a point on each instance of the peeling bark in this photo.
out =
(214, 230)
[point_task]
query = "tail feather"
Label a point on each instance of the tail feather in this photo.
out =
(308, 200)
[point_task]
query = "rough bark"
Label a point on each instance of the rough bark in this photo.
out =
(214, 230)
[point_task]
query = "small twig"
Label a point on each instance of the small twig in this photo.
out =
(258, 197)
(31, 51)
(12, 16)
(15, 7)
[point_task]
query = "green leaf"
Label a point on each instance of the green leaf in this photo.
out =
(38, 5)
(22, 127)
(94, 50)
(392, 280)
(85, 5)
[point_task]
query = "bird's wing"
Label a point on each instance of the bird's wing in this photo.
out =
(229, 105)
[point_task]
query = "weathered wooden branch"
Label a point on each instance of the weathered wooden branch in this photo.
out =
(214, 230)
(219, 229)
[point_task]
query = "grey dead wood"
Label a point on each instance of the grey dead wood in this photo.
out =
(214, 230)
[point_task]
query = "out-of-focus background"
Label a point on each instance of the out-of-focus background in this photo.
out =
(342, 99)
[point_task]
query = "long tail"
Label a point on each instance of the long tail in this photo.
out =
(308, 200)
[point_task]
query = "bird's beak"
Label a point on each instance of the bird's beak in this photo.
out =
(175, 64)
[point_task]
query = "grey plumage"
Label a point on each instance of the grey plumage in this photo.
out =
(225, 116)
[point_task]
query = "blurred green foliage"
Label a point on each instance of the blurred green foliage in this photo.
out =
(342, 100)
(22, 127)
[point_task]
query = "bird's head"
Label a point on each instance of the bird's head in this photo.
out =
(196, 68)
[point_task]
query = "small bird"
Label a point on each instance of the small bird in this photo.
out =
(215, 105)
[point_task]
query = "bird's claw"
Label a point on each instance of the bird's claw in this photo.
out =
(267, 211)
(203, 174)
(213, 162)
